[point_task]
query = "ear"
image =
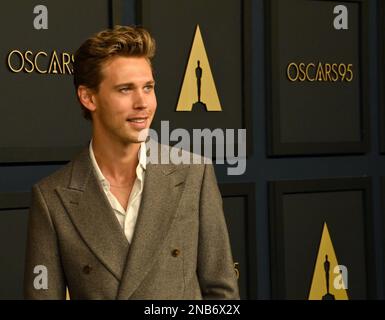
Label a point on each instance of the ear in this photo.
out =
(86, 97)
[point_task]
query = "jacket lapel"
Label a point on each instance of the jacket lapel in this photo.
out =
(162, 190)
(93, 217)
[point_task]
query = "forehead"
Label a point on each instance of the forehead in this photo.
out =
(122, 69)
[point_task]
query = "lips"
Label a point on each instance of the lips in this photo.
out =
(138, 122)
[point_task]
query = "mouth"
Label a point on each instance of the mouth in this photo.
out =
(138, 122)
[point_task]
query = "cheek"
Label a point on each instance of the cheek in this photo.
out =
(154, 102)
(119, 105)
(112, 111)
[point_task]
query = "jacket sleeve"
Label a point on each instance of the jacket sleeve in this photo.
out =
(43, 273)
(216, 272)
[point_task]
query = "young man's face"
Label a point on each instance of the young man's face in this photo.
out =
(125, 103)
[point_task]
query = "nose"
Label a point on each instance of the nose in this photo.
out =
(140, 101)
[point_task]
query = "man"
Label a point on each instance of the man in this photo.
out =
(109, 225)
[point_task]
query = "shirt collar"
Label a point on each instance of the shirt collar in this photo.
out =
(142, 155)
(141, 165)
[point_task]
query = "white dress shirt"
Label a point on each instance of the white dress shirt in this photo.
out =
(127, 218)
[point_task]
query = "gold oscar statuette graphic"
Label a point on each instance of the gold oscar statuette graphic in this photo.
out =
(67, 294)
(198, 91)
(322, 287)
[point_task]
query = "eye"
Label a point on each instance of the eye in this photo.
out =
(124, 90)
(149, 88)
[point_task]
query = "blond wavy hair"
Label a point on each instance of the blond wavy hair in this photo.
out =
(130, 41)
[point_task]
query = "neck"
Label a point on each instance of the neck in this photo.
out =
(116, 160)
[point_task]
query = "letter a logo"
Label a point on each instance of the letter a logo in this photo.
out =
(322, 285)
(198, 91)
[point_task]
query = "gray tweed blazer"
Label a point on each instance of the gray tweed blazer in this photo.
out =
(180, 248)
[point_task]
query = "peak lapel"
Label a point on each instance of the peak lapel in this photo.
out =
(162, 190)
(93, 217)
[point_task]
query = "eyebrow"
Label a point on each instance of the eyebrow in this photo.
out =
(133, 85)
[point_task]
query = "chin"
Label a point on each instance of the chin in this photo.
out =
(131, 137)
(129, 140)
(142, 135)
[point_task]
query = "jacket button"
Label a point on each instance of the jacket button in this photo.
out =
(87, 269)
(175, 252)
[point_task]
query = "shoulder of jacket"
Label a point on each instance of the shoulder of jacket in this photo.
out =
(60, 177)
(175, 154)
